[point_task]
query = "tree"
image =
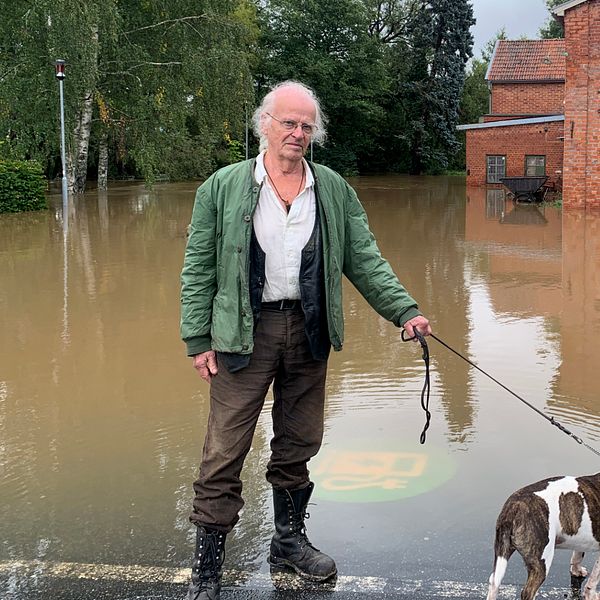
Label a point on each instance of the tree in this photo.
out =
(552, 28)
(328, 47)
(389, 74)
(475, 96)
(390, 20)
(154, 85)
(441, 44)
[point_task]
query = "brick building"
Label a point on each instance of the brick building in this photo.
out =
(544, 116)
(581, 21)
(522, 133)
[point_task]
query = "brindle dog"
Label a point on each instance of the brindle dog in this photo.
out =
(560, 512)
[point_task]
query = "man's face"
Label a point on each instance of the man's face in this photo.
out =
(289, 105)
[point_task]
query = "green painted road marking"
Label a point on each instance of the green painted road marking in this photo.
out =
(379, 471)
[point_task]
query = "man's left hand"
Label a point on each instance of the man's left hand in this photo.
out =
(422, 325)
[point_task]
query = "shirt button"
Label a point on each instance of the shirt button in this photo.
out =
(247, 218)
(239, 249)
(244, 346)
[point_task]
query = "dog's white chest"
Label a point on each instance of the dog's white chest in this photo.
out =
(569, 519)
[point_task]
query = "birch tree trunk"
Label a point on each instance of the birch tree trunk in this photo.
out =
(103, 162)
(81, 142)
(83, 127)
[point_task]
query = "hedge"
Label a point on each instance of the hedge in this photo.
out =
(22, 186)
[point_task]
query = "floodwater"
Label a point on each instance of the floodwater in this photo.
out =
(102, 416)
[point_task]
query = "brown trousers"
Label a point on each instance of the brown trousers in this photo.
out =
(281, 356)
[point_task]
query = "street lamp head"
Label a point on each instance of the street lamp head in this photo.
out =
(60, 68)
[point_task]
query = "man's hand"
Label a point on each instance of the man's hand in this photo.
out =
(206, 365)
(422, 325)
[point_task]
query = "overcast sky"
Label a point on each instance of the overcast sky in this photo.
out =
(520, 17)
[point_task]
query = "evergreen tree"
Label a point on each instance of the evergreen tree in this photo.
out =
(441, 46)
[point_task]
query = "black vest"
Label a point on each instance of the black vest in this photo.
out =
(312, 294)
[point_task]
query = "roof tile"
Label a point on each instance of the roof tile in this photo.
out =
(528, 60)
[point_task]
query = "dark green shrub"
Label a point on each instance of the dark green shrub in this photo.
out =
(22, 186)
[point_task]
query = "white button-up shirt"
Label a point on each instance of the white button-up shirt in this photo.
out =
(282, 235)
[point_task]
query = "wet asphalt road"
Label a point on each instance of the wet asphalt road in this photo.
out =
(78, 590)
(259, 587)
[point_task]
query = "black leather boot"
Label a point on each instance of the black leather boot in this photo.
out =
(290, 546)
(207, 566)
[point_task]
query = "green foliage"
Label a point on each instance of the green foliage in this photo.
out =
(328, 47)
(474, 101)
(169, 80)
(236, 151)
(475, 97)
(22, 186)
(552, 28)
(164, 76)
(555, 201)
(389, 75)
(488, 49)
(441, 46)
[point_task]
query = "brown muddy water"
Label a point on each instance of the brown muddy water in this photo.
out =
(102, 416)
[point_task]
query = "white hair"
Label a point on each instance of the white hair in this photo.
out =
(260, 115)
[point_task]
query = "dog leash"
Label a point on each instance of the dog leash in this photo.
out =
(552, 420)
(427, 385)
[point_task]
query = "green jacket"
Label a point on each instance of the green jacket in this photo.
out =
(215, 298)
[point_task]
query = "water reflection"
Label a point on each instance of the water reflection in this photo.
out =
(576, 383)
(420, 226)
(102, 418)
(541, 267)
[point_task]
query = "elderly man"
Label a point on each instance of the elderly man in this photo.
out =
(261, 304)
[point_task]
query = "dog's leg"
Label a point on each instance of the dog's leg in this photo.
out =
(496, 577)
(536, 574)
(577, 569)
(503, 550)
(589, 590)
(578, 573)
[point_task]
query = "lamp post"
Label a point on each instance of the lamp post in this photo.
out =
(60, 75)
(246, 116)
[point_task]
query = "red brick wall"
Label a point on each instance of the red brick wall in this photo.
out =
(515, 142)
(582, 107)
(528, 98)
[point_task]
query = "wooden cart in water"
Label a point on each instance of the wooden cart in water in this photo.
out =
(530, 189)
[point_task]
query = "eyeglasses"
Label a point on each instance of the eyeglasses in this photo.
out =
(290, 125)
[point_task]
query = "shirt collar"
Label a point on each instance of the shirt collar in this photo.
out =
(260, 172)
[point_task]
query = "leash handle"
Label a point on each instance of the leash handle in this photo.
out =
(427, 384)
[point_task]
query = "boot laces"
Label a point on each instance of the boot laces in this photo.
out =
(298, 526)
(209, 561)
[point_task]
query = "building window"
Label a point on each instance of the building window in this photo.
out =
(496, 168)
(535, 166)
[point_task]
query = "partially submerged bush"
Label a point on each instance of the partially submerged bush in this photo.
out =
(22, 186)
